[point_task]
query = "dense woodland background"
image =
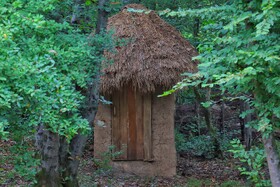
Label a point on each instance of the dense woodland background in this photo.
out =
(50, 55)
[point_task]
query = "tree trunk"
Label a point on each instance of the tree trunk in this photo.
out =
(72, 163)
(77, 144)
(77, 9)
(102, 16)
(246, 132)
(71, 158)
(196, 26)
(60, 160)
(222, 121)
(208, 121)
(48, 145)
(272, 160)
(197, 115)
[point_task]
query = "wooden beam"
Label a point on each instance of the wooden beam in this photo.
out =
(147, 123)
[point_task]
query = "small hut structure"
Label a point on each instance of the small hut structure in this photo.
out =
(138, 123)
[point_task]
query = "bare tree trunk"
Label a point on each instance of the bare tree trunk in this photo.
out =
(196, 26)
(208, 121)
(48, 145)
(272, 160)
(77, 9)
(246, 132)
(197, 116)
(222, 122)
(206, 111)
(102, 16)
(72, 163)
(241, 120)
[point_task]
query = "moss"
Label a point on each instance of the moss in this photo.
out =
(231, 183)
(193, 182)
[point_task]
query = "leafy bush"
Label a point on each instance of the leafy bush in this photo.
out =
(18, 161)
(224, 140)
(180, 141)
(25, 163)
(254, 160)
(201, 146)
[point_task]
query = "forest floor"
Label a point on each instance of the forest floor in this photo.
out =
(191, 172)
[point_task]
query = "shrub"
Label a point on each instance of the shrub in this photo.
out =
(201, 146)
(180, 141)
(254, 161)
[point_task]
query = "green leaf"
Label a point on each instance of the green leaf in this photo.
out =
(206, 104)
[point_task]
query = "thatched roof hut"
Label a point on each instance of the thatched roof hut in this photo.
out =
(138, 123)
(155, 56)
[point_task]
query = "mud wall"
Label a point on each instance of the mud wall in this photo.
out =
(102, 130)
(163, 143)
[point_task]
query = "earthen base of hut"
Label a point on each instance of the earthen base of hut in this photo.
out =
(141, 168)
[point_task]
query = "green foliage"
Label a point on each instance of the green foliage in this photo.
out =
(254, 160)
(193, 182)
(231, 183)
(43, 62)
(180, 141)
(24, 162)
(240, 54)
(187, 24)
(46, 65)
(201, 146)
(185, 96)
(22, 157)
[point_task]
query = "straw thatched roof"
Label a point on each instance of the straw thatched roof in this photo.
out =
(155, 55)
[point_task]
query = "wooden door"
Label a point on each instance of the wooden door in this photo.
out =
(131, 124)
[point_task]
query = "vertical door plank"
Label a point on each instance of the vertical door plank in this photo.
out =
(132, 139)
(139, 124)
(123, 123)
(147, 123)
(116, 134)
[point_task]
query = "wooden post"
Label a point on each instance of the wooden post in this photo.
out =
(147, 121)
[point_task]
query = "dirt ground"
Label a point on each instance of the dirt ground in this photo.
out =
(198, 173)
(191, 171)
